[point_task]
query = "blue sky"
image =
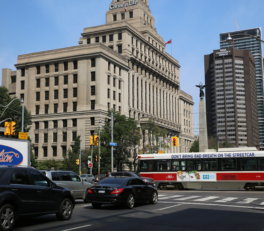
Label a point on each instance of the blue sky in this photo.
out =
(193, 25)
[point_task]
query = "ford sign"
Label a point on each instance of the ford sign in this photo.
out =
(10, 156)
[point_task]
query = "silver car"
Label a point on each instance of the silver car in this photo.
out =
(88, 177)
(70, 180)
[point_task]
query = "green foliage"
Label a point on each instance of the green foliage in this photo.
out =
(50, 165)
(195, 146)
(13, 111)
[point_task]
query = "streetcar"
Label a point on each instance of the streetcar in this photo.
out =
(207, 170)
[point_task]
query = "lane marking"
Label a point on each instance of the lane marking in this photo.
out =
(226, 199)
(219, 205)
(186, 198)
(207, 198)
(79, 227)
(169, 207)
(170, 197)
(247, 200)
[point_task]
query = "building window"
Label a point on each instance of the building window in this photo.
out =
(46, 124)
(22, 96)
(56, 67)
(92, 90)
(119, 84)
(74, 135)
(108, 106)
(36, 125)
(22, 71)
(111, 37)
(37, 96)
(54, 150)
(74, 106)
(55, 108)
(74, 122)
(114, 82)
(36, 138)
(108, 79)
(22, 83)
(119, 108)
(45, 151)
(65, 107)
(36, 152)
(47, 82)
(114, 17)
(38, 70)
(56, 81)
(108, 93)
(130, 14)
(92, 104)
(104, 39)
(64, 123)
(37, 109)
(55, 123)
(114, 68)
(55, 136)
(56, 94)
(109, 66)
(46, 108)
(65, 64)
(120, 36)
(45, 137)
(97, 39)
(114, 95)
(75, 78)
(122, 16)
(65, 93)
(47, 68)
(13, 79)
(75, 64)
(93, 78)
(93, 62)
(119, 48)
(92, 121)
(119, 97)
(88, 40)
(64, 150)
(64, 136)
(75, 92)
(65, 79)
(46, 95)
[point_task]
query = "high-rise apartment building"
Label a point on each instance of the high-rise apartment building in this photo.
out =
(231, 104)
(121, 65)
(250, 40)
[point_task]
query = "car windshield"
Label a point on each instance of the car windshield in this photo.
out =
(114, 181)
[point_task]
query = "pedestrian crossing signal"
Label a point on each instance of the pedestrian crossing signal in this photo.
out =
(175, 141)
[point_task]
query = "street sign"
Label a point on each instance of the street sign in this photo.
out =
(90, 165)
(112, 144)
(23, 135)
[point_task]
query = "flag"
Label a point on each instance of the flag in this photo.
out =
(168, 42)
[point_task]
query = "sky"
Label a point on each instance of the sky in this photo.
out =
(194, 26)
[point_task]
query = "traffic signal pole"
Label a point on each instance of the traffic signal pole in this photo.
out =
(112, 140)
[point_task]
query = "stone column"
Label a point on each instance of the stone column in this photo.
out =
(203, 139)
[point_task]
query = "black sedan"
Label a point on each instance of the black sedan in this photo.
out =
(121, 191)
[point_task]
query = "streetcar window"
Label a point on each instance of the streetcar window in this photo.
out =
(191, 165)
(249, 164)
(148, 166)
(210, 165)
(229, 164)
(163, 165)
(183, 165)
(261, 164)
(175, 165)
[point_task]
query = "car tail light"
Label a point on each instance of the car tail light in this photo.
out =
(117, 191)
(90, 191)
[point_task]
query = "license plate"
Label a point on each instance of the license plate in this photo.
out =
(101, 191)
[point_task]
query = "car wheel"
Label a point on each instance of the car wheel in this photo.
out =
(65, 209)
(154, 198)
(130, 202)
(96, 205)
(7, 217)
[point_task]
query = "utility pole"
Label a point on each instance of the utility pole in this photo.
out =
(80, 160)
(112, 140)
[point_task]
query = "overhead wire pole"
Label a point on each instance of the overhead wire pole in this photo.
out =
(112, 140)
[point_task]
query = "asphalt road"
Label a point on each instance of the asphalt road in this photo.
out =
(176, 210)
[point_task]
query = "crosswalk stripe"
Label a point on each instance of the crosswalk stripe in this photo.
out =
(186, 198)
(226, 199)
(207, 198)
(170, 197)
(247, 200)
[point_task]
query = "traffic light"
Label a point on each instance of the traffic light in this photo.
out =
(175, 141)
(7, 131)
(77, 161)
(12, 127)
(91, 140)
(96, 140)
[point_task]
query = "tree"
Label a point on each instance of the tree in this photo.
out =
(14, 111)
(195, 146)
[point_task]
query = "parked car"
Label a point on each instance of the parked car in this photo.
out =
(88, 177)
(70, 180)
(121, 191)
(133, 174)
(25, 191)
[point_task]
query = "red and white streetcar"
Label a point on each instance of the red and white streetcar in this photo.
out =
(207, 170)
